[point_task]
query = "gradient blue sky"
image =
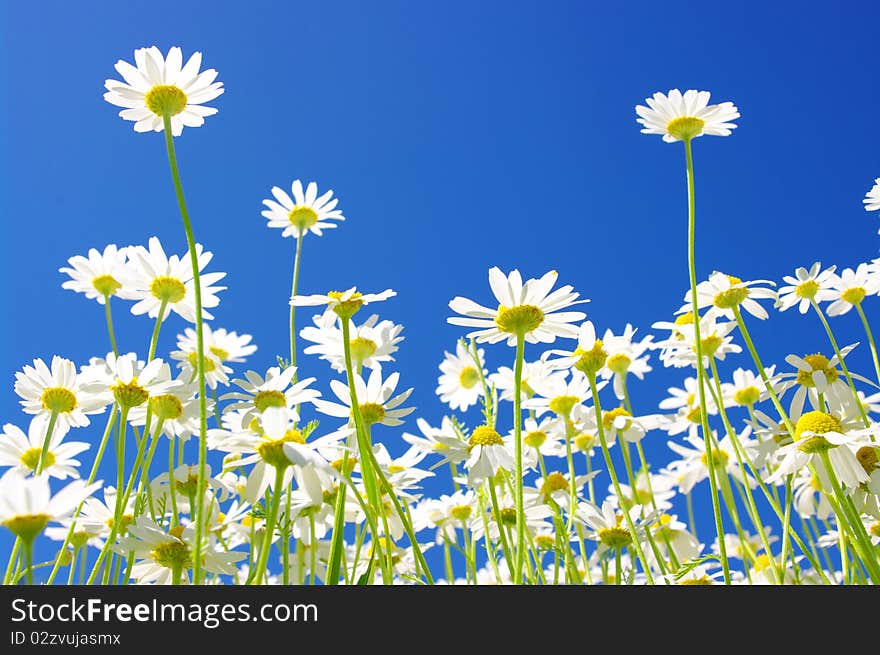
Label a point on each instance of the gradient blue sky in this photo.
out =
(458, 135)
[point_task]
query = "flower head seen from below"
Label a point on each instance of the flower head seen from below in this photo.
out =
(527, 310)
(460, 384)
(58, 389)
(97, 275)
(344, 304)
(806, 286)
(304, 212)
(159, 86)
(682, 117)
(159, 282)
(872, 198)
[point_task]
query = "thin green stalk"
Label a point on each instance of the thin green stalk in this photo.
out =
(154, 340)
(109, 316)
(701, 373)
(517, 440)
(843, 367)
(94, 472)
(871, 343)
(200, 351)
(272, 517)
(496, 510)
(50, 429)
(12, 564)
(295, 284)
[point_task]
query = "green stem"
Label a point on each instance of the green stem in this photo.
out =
(843, 367)
(517, 439)
(109, 317)
(53, 417)
(299, 240)
(871, 343)
(266, 546)
(200, 351)
(172, 483)
(701, 373)
(29, 560)
(154, 340)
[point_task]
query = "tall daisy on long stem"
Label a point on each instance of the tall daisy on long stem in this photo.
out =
(297, 216)
(683, 117)
(164, 94)
(527, 312)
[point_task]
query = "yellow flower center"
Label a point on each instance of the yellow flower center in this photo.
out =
(58, 399)
(483, 435)
(507, 516)
(349, 465)
(125, 521)
(562, 405)
(807, 289)
(554, 481)
(270, 398)
(719, 458)
(545, 542)
(615, 537)
(193, 358)
(867, 456)
(461, 512)
(166, 407)
(685, 127)
(272, 451)
(345, 309)
(469, 377)
(129, 394)
(27, 526)
(817, 362)
(875, 529)
(372, 412)
(31, 457)
(165, 100)
(747, 396)
(710, 344)
(609, 416)
(694, 415)
(221, 354)
(168, 289)
(590, 361)
(302, 217)
(362, 349)
(106, 285)
(535, 438)
(854, 295)
(584, 441)
(172, 554)
(731, 297)
(520, 319)
(810, 428)
(618, 363)
(703, 580)
(189, 486)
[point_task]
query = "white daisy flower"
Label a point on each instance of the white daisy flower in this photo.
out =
(371, 343)
(127, 379)
(721, 293)
(22, 451)
(606, 524)
(748, 388)
(850, 288)
(159, 553)
(817, 433)
(872, 198)
(221, 346)
(560, 394)
(529, 309)
(446, 514)
(686, 402)
(98, 275)
(680, 350)
(817, 374)
(305, 212)
(625, 356)
(343, 303)
(693, 467)
(681, 117)
(178, 411)
(58, 389)
(375, 397)
(275, 390)
(806, 285)
(535, 519)
(444, 441)
(153, 278)
(27, 504)
(534, 374)
(460, 386)
(488, 455)
(158, 86)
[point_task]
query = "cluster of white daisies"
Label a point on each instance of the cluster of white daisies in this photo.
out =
(307, 487)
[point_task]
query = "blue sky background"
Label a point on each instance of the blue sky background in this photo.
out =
(458, 136)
